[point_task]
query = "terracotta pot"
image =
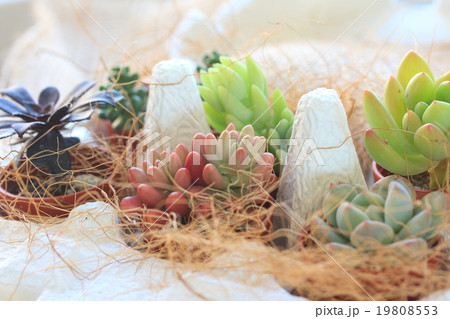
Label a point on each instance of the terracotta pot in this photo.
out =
(59, 206)
(379, 172)
(119, 138)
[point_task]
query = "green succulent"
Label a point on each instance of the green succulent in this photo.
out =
(237, 93)
(409, 132)
(208, 61)
(387, 214)
(129, 115)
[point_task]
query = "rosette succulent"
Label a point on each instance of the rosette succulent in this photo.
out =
(45, 146)
(234, 162)
(237, 93)
(409, 132)
(129, 116)
(387, 214)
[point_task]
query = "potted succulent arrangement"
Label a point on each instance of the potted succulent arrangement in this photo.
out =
(178, 187)
(387, 216)
(127, 118)
(54, 173)
(237, 93)
(409, 132)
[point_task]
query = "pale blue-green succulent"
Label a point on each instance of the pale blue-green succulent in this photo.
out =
(387, 214)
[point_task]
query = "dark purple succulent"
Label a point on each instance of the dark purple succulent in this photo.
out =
(39, 124)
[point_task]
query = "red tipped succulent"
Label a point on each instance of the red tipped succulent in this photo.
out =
(173, 182)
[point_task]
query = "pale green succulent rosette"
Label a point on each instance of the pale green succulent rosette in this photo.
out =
(237, 93)
(386, 215)
(409, 132)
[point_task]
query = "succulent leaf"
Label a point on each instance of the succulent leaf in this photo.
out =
(432, 143)
(443, 92)
(417, 226)
(348, 216)
(383, 123)
(367, 198)
(149, 195)
(370, 233)
(256, 75)
(438, 113)
(412, 64)
(406, 247)
(375, 212)
(398, 207)
(419, 109)
(335, 197)
(385, 155)
(394, 98)
(326, 234)
(419, 89)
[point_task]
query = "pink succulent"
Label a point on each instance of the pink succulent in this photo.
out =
(172, 182)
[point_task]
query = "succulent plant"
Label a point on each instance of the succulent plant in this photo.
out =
(387, 214)
(235, 162)
(129, 116)
(209, 60)
(409, 132)
(237, 93)
(46, 147)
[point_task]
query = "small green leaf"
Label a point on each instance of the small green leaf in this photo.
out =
(256, 75)
(325, 233)
(375, 212)
(337, 195)
(443, 92)
(348, 216)
(412, 64)
(215, 118)
(432, 143)
(233, 106)
(445, 77)
(394, 99)
(417, 226)
(398, 207)
(369, 234)
(438, 113)
(232, 81)
(367, 198)
(282, 127)
(235, 66)
(278, 105)
(383, 153)
(419, 89)
(211, 97)
(260, 105)
(381, 120)
(420, 108)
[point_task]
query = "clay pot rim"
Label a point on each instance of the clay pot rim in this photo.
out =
(378, 174)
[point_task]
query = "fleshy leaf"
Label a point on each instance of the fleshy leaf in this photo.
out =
(394, 99)
(399, 206)
(369, 234)
(419, 89)
(432, 143)
(412, 64)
